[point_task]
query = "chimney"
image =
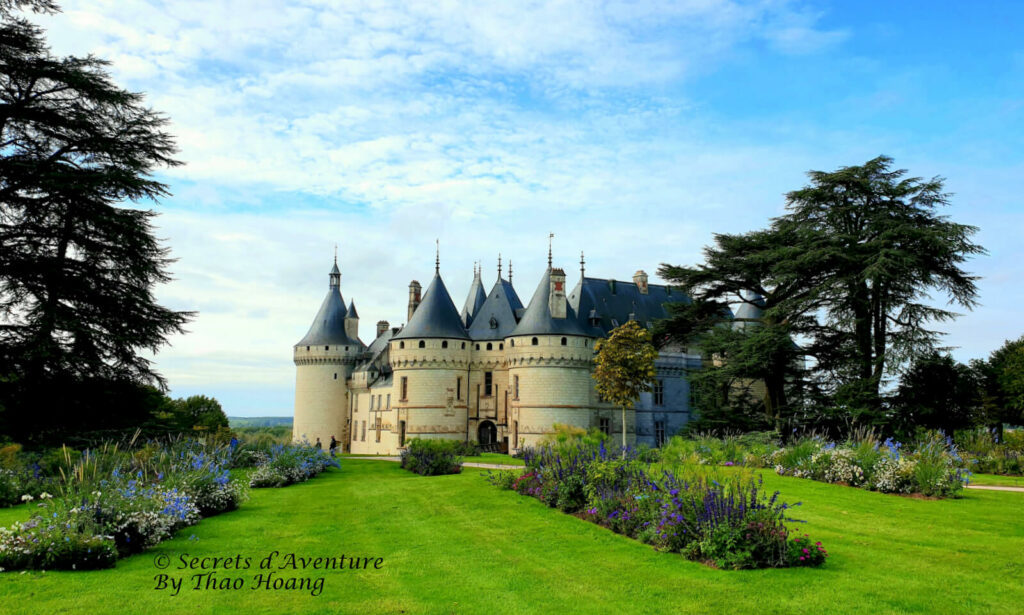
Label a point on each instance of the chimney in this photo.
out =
(414, 297)
(556, 298)
(382, 326)
(640, 279)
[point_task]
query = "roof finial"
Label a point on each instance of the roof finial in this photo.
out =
(550, 237)
(510, 271)
(583, 264)
(335, 254)
(499, 265)
(437, 256)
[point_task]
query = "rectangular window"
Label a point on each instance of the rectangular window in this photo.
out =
(378, 429)
(605, 425)
(458, 388)
(515, 387)
(355, 431)
(659, 433)
(364, 432)
(488, 383)
(379, 398)
(389, 402)
(405, 388)
(659, 392)
(371, 403)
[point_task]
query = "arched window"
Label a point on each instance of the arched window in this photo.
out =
(478, 346)
(401, 344)
(463, 345)
(534, 341)
(327, 347)
(335, 376)
(490, 346)
(346, 348)
(565, 341)
(307, 348)
(423, 344)
(513, 343)
(501, 346)
(444, 344)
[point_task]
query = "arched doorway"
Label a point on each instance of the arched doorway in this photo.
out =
(487, 433)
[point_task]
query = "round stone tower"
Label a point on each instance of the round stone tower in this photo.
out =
(430, 362)
(324, 359)
(550, 356)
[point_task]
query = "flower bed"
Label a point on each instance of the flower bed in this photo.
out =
(284, 465)
(731, 524)
(432, 457)
(114, 502)
(930, 466)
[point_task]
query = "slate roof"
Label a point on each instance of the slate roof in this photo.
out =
(496, 318)
(537, 320)
(435, 316)
(474, 300)
(600, 309)
(352, 309)
(752, 308)
(329, 325)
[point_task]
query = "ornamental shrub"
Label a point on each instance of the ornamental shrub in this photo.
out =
(432, 457)
(730, 523)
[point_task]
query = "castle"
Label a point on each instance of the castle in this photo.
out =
(496, 373)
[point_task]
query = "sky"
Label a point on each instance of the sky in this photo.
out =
(633, 131)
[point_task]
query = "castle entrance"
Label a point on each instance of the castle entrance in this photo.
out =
(487, 433)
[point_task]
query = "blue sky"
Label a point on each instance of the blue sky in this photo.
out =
(632, 130)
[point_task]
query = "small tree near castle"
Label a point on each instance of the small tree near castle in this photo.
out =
(624, 367)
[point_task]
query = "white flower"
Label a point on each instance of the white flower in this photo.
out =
(45, 496)
(27, 498)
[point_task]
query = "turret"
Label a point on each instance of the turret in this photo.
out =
(352, 321)
(324, 358)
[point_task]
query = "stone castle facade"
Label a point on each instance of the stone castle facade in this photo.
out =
(497, 373)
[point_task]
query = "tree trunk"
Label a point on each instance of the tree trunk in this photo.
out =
(623, 432)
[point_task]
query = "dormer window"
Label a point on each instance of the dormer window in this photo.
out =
(490, 346)
(401, 345)
(423, 344)
(534, 342)
(565, 341)
(444, 344)
(493, 322)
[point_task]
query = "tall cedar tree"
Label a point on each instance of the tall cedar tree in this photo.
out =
(76, 269)
(772, 264)
(883, 248)
(624, 367)
(846, 271)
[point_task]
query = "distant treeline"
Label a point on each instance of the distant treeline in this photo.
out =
(260, 421)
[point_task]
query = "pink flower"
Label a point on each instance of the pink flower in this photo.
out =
(801, 558)
(806, 551)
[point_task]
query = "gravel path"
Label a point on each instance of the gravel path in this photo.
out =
(997, 488)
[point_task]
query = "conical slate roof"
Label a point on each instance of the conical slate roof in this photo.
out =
(329, 325)
(751, 309)
(537, 319)
(435, 316)
(352, 309)
(474, 300)
(496, 318)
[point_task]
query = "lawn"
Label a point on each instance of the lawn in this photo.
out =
(455, 544)
(997, 479)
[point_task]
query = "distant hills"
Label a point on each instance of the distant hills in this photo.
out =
(260, 421)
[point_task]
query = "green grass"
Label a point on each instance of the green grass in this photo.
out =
(997, 479)
(455, 544)
(496, 458)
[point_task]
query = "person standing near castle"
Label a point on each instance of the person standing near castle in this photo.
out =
(334, 445)
(318, 445)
